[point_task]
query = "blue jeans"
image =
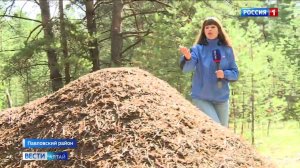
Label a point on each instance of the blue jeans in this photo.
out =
(219, 112)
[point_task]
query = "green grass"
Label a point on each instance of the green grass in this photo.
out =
(282, 145)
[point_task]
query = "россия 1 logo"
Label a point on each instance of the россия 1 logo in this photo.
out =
(259, 12)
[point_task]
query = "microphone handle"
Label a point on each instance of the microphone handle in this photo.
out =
(219, 79)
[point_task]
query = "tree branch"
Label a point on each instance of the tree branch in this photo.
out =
(132, 45)
(105, 31)
(37, 2)
(74, 2)
(98, 3)
(104, 39)
(37, 34)
(9, 7)
(32, 32)
(10, 50)
(157, 1)
(135, 18)
(137, 42)
(38, 64)
(138, 32)
(142, 13)
(19, 17)
(23, 7)
(132, 35)
(16, 37)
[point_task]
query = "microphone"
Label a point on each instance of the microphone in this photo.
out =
(216, 54)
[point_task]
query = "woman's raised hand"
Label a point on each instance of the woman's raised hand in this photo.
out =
(186, 52)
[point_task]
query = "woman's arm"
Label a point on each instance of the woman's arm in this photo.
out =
(231, 74)
(189, 60)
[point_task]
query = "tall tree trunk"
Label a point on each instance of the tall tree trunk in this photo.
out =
(9, 101)
(27, 87)
(116, 32)
(91, 26)
(55, 76)
(252, 111)
(243, 113)
(234, 111)
(270, 110)
(63, 41)
(252, 102)
(269, 126)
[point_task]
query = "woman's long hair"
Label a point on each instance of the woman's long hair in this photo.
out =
(222, 36)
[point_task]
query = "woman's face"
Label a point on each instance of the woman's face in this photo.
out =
(211, 31)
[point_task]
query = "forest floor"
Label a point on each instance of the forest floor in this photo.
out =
(281, 145)
(123, 117)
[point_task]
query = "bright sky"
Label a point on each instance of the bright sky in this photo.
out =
(32, 9)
